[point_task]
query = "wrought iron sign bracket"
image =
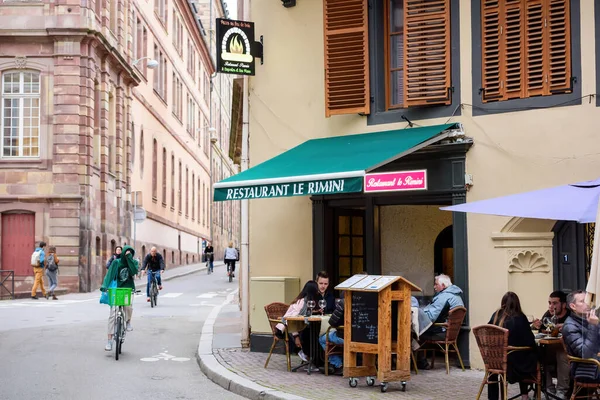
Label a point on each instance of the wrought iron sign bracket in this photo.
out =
(288, 3)
(258, 50)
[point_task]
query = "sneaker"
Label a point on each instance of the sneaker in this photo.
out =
(54, 297)
(108, 346)
(129, 327)
(34, 297)
(159, 287)
(302, 356)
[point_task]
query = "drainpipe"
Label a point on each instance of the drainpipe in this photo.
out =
(245, 217)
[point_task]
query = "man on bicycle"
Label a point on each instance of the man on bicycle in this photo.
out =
(210, 256)
(155, 264)
(122, 270)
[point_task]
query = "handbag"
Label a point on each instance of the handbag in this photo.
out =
(104, 295)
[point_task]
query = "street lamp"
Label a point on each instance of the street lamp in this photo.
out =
(152, 63)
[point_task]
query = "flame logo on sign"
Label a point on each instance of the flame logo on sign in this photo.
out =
(236, 46)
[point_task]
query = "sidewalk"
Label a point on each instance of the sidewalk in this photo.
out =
(240, 371)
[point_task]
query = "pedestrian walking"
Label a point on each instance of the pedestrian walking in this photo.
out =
(37, 262)
(116, 255)
(52, 271)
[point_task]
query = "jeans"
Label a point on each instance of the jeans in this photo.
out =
(158, 281)
(112, 317)
(211, 265)
(52, 280)
(334, 359)
(38, 281)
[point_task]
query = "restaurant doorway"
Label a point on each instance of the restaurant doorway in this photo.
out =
(443, 253)
(572, 247)
(349, 253)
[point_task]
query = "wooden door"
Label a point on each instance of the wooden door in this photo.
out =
(569, 256)
(18, 242)
(349, 243)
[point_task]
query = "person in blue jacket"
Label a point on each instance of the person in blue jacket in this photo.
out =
(447, 296)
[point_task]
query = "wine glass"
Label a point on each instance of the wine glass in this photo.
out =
(310, 304)
(548, 323)
(322, 304)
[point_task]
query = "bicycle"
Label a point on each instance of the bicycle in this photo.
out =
(119, 297)
(229, 272)
(153, 289)
(209, 266)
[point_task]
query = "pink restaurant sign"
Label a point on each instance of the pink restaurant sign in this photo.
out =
(396, 181)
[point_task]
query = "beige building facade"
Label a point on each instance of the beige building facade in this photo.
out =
(528, 130)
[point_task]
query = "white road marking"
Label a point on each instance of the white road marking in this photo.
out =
(170, 295)
(208, 295)
(165, 357)
(203, 304)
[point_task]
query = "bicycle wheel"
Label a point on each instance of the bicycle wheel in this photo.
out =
(229, 273)
(152, 286)
(118, 334)
(154, 294)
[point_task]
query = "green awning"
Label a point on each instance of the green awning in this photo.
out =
(328, 165)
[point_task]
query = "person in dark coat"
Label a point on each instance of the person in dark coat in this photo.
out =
(325, 293)
(521, 364)
(581, 334)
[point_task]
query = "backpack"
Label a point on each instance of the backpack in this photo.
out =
(35, 258)
(51, 264)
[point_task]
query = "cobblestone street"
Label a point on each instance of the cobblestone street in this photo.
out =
(427, 385)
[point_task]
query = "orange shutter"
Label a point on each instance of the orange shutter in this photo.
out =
(559, 46)
(512, 53)
(426, 52)
(535, 49)
(346, 57)
(491, 50)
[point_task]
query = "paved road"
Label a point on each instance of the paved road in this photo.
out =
(55, 349)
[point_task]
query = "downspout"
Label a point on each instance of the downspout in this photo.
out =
(245, 217)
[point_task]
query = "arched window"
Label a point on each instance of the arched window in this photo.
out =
(154, 169)
(172, 257)
(20, 125)
(187, 192)
(142, 152)
(165, 255)
(172, 181)
(98, 246)
(143, 252)
(193, 196)
(113, 245)
(164, 177)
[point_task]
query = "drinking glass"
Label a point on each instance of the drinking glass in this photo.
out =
(322, 305)
(310, 305)
(530, 318)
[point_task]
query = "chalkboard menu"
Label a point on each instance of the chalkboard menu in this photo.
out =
(364, 317)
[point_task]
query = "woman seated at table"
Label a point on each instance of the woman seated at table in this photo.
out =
(298, 307)
(520, 364)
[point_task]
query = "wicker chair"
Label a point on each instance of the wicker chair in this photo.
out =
(448, 345)
(493, 345)
(332, 348)
(274, 313)
(578, 386)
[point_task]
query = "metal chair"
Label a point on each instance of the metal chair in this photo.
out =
(493, 345)
(274, 313)
(448, 345)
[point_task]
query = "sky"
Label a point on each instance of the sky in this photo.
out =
(232, 7)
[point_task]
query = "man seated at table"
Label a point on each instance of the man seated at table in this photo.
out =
(336, 320)
(580, 335)
(556, 360)
(447, 296)
(324, 293)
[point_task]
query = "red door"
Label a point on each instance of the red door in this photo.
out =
(18, 236)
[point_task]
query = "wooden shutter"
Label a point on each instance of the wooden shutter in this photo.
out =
(559, 46)
(512, 49)
(492, 61)
(346, 57)
(535, 60)
(426, 52)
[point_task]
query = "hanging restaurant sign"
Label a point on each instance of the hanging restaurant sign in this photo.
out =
(234, 46)
(305, 188)
(396, 181)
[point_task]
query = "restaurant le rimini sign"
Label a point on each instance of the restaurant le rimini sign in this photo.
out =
(234, 47)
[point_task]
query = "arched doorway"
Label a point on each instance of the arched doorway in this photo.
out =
(443, 253)
(572, 254)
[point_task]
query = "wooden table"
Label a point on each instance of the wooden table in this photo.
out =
(542, 344)
(298, 323)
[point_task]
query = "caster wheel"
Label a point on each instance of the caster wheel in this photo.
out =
(403, 388)
(383, 387)
(353, 382)
(370, 381)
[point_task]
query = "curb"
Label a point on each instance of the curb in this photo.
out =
(224, 377)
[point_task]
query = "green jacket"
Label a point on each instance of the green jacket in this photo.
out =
(128, 265)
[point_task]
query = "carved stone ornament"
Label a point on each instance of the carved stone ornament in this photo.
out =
(528, 261)
(21, 62)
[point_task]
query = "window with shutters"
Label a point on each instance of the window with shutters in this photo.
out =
(417, 53)
(526, 48)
